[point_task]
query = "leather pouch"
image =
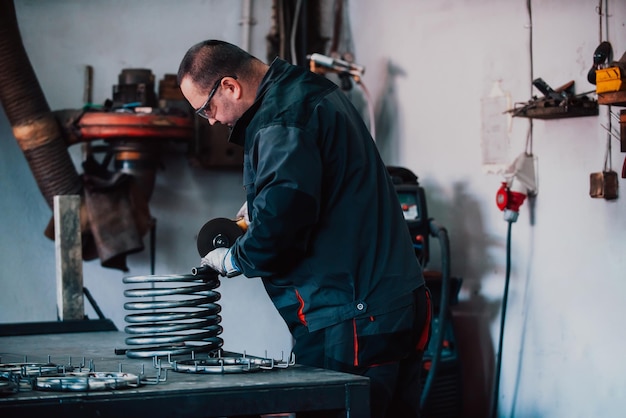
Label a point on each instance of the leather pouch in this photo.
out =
(603, 185)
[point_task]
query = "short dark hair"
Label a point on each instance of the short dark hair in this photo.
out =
(208, 60)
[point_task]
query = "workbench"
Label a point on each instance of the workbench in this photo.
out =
(280, 390)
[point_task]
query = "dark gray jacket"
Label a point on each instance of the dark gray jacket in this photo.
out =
(327, 234)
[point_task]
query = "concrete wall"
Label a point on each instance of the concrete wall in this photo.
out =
(431, 66)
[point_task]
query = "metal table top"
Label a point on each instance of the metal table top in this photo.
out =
(292, 389)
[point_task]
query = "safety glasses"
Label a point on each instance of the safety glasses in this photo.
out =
(202, 110)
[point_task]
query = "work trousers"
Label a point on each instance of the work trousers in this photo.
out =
(395, 388)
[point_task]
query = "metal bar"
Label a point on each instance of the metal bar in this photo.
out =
(93, 303)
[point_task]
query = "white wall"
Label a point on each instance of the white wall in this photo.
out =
(563, 338)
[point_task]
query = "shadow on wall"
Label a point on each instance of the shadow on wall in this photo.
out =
(386, 115)
(473, 315)
(469, 258)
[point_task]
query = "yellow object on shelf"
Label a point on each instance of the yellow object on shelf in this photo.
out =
(609, 79)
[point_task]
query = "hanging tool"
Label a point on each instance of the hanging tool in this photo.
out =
(602, 55)
(334, 64)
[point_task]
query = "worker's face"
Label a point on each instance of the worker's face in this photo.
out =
(220, 104)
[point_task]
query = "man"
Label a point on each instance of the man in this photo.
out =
(326, 232)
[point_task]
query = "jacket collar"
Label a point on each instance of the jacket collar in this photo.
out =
(237, 134)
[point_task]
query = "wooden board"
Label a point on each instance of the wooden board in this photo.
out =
(69, 258)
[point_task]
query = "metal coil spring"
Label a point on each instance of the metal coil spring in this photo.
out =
(181, 318)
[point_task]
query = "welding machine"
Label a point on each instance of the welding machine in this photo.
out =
(441, 368)
(413, 203)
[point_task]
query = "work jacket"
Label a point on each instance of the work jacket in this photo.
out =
(327, 235)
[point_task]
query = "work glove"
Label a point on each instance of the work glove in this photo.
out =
(221, 260)
(243, 213)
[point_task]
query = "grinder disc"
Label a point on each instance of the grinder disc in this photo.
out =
(218, 232)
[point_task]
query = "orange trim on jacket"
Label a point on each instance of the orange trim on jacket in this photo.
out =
(301, 316)
(423, 341)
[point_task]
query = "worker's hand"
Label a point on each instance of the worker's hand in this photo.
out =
(221, 260)
(243, 213)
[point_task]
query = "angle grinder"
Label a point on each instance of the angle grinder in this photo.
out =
(219, 232)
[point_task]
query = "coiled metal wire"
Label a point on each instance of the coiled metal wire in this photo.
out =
(179, 315)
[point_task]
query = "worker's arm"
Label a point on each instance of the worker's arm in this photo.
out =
(286, 201)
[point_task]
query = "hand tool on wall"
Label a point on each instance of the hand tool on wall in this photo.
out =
(602, 55)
